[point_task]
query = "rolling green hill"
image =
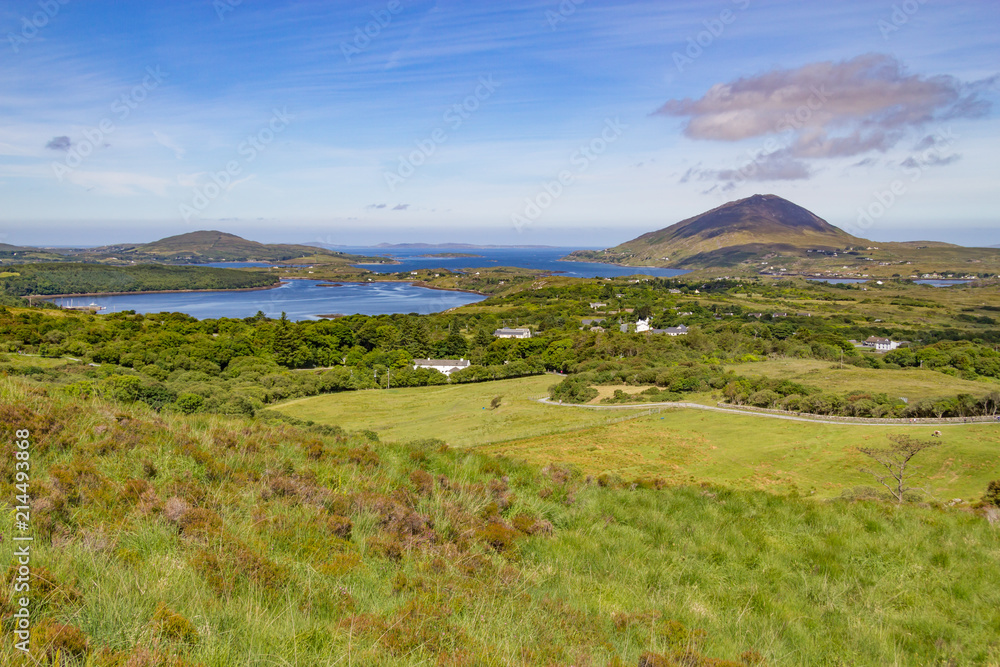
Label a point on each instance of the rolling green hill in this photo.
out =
(12, 254)
(215, 246)
(199, 247)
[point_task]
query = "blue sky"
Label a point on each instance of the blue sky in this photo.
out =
(576, 123)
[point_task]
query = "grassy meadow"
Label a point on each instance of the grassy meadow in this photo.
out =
(204, 540)
(752, 452)
(915, 384)
(459, 414)
(680, 446)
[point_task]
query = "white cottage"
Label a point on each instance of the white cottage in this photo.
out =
(446, 366)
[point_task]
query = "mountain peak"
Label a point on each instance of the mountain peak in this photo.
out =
(757, 213)
(734, 232)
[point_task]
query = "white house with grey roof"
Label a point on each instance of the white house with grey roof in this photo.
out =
(672, 331)
(512, 333)
(881, 344)
(446, 366)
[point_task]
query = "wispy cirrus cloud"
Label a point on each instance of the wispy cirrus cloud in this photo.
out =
(120, 184)
(168, 142)
(931, 161)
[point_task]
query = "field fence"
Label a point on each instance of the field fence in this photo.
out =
(537, 433)
(864, 420)
(635, 415)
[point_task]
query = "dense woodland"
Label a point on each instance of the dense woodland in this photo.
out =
(77, 278)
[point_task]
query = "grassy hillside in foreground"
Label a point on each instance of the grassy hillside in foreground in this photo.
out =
(682, 446)
(201, 540)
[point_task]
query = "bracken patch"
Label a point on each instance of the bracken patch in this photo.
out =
(173, 625)
(58, 639)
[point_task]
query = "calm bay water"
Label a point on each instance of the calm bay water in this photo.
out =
(305, 299)
(299, 299)
(543, 259)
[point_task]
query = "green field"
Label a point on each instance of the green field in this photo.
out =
(29, 360)
(752, 452)
(459, 414)
(912, 383)
(681, 446)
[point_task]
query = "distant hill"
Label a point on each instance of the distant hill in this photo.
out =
(215, 246)
(211, 246)
(201, 247)
(732, 233)
(408, 246)
(16, 254)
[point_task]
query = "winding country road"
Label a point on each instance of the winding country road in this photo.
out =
(843, 421)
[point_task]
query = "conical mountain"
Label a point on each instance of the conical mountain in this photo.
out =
(732, 233)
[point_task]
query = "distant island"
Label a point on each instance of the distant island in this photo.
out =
(449, 254)
(470, 246)
(199, 247)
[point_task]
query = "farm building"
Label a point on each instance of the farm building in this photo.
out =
(512, 333)
(446, 366)
(881, 344)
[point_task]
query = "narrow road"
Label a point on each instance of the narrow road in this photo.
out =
(794, 418)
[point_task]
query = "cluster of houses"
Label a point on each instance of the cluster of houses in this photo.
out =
(642, 326)
(449, 366)
(775, 316)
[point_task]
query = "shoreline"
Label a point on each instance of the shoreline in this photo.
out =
(282, 280)
(419, 283)
(624, 266)
(46, 297)
(414, 283)
(447, 255)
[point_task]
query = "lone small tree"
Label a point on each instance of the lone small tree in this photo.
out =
(992, 496)
(895, 460)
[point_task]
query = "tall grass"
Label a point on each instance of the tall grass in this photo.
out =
(228, 542)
